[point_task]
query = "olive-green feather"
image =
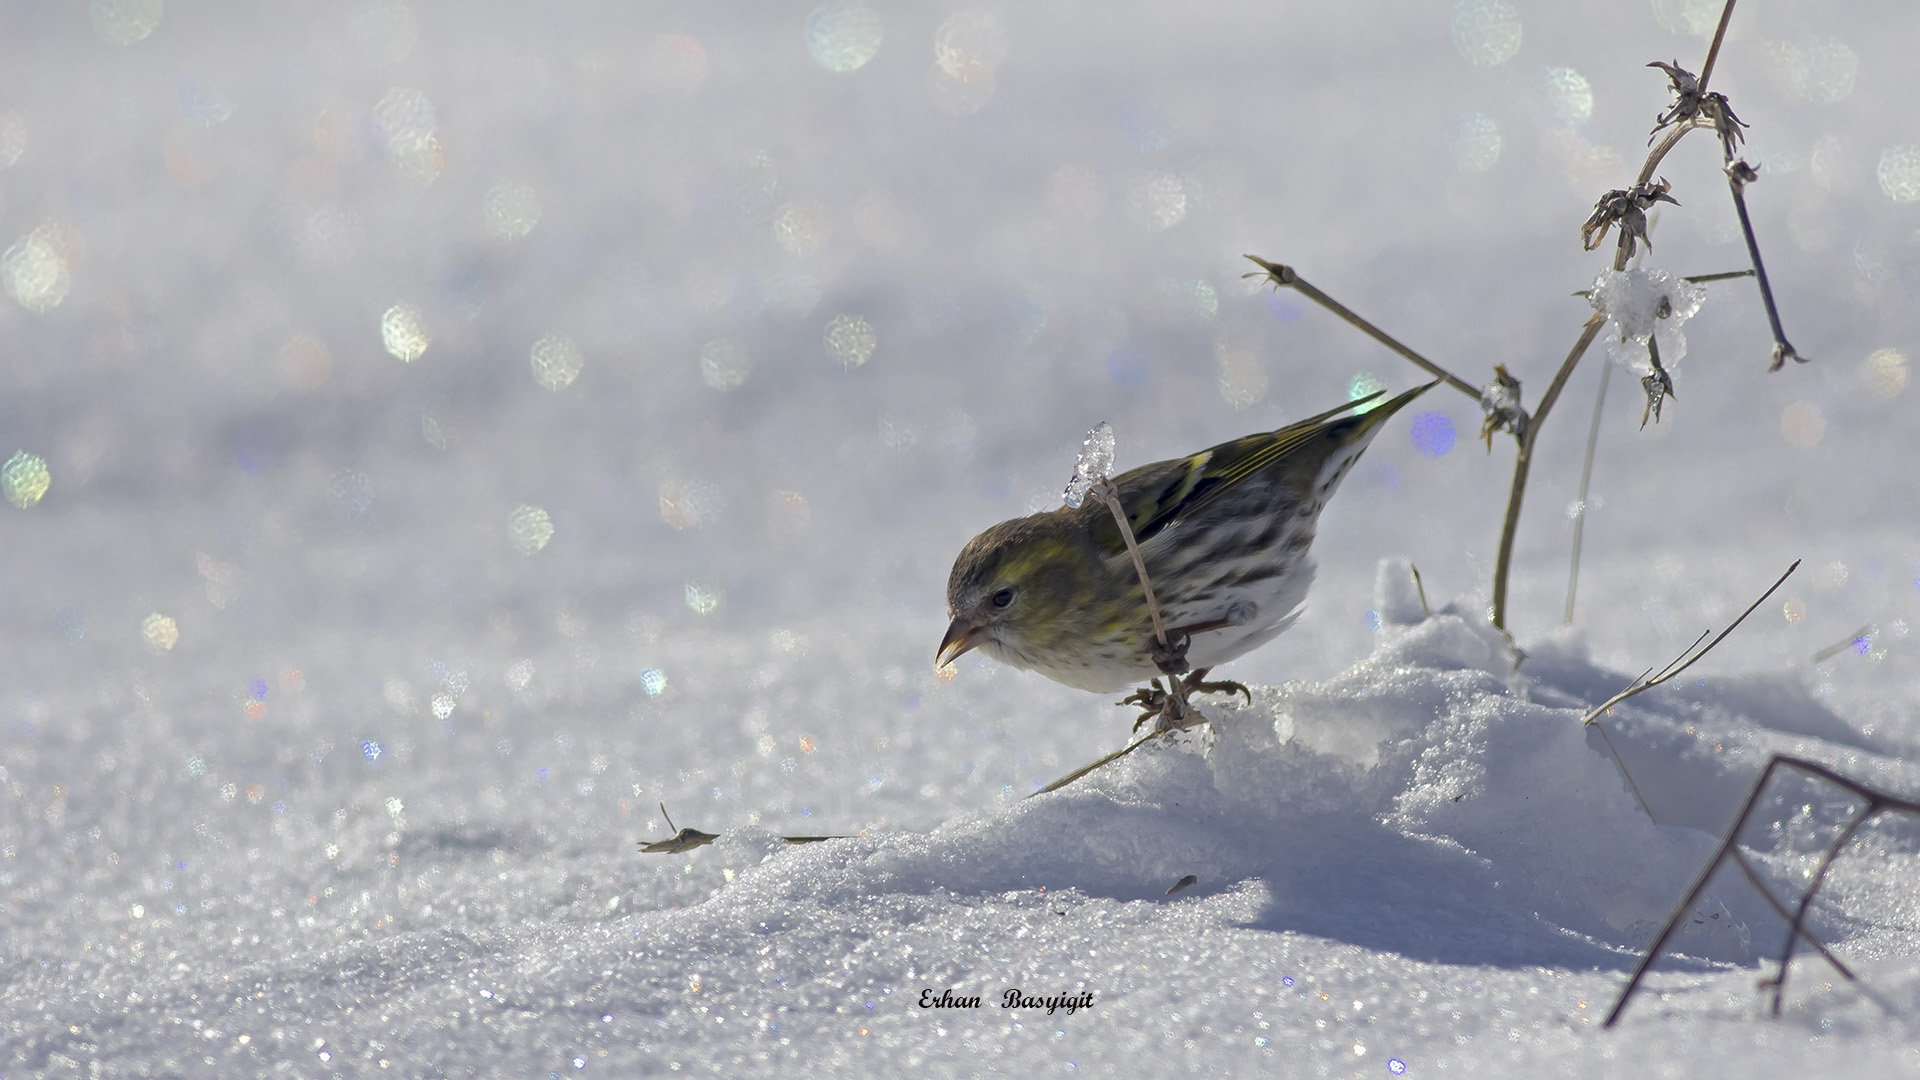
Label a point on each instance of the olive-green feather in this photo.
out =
(1158, 495)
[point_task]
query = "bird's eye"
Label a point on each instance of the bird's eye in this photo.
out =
(1003, 598)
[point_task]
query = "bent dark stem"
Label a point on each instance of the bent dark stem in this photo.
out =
(1782, 348)
(1795, 929)
(1877, 802)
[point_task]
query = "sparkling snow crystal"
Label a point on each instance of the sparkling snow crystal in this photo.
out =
(1096, 461)
(1632, 301)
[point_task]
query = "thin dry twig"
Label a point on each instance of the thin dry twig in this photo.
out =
(1281, 275)
(1523, 461)
(1876, 802)
(1687, 658)
(1108, 493)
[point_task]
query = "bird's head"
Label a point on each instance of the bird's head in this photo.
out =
(1018, 588)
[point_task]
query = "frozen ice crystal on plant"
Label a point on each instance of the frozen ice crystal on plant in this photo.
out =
(1643, 304)
(1096, 461)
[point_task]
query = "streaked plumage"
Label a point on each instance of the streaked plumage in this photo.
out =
(1224, 534)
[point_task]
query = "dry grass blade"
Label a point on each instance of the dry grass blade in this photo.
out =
(1085, 769)
(1851, 641)
(1684, 660)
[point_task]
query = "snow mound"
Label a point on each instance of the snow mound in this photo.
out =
(1425, 851)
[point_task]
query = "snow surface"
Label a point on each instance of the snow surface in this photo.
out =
(719, 354)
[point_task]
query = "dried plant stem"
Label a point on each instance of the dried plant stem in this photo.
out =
(1109, 494)
(1586, 479)
(1876, 802)
(1713, 50)
(1725, 275)
(1523, 462)
(1287, 276)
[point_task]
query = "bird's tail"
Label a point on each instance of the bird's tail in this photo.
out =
(1345, 439)
(1361, 426)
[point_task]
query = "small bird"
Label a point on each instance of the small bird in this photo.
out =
(1223, 535)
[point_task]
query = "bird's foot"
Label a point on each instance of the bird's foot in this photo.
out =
(1169, 706)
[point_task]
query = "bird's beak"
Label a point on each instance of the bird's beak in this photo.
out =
(962, 636)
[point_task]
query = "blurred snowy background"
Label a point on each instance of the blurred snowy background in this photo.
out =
(437, 433)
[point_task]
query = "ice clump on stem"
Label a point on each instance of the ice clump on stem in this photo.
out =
(1096, 462)
(1643, 304)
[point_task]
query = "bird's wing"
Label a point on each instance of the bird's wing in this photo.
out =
(1157, 495)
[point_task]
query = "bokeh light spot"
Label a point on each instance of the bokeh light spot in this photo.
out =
(1803, 424)
(1884, 372)
(801, 227)
(201, 104)
(556, 362)
(123, 22)
(160, 632)
(843, 36)
(35, 269)
(13, 138)
(725, 365)
(958, 95)
(1568, 94)
(304, 363)
(1161, 201)
(24, 479)
(1899, 173)
(1363, 384)
(703, 599)
(1785, 68)
(1433, 434)
(1243, 378)
(690, 504)
(850, 340)
(407, 119)
(1487, 32)
(673, 66)
(970, 40)
(511, 210)
(1688, 18)
(387, 29)
(401, 333)
(1832, 68)
(967, 50)
(1473, 142)
(529, 528)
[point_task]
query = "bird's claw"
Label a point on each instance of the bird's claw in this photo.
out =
(1169, 706)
